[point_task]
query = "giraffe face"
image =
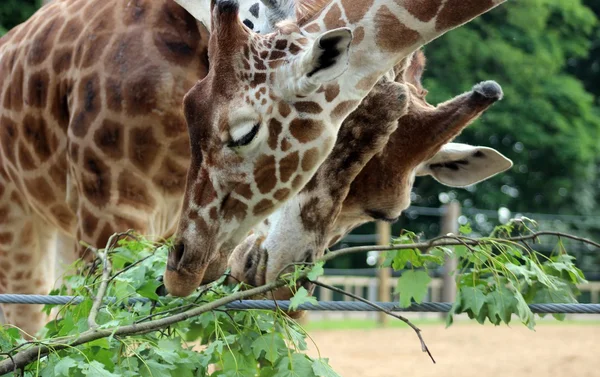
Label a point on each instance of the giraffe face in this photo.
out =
(257, 136)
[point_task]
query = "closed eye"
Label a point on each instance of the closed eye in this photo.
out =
(246, 139)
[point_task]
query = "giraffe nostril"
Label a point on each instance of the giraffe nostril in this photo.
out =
(175, 256)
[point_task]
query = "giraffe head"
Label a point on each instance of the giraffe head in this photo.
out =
(267, 115)
(257, 136)
(362, 181)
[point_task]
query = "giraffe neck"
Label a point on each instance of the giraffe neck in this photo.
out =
(384, 33)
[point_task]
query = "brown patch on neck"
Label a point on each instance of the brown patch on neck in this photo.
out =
(333, 18)
(356, 10)
(423, 10)
(392, 35)
(457, 12)
(331, 92)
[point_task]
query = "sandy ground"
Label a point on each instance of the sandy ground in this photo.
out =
(464, 350)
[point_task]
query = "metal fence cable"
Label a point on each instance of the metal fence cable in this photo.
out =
(435, 307)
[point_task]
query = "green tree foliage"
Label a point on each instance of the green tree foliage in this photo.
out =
(547, 123)
(13, 12)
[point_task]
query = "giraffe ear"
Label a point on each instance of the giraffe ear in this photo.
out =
(460, 165)
(328, 57)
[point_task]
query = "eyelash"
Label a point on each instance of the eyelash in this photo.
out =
(246, 139)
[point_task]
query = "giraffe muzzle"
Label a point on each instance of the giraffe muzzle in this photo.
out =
(182, 275)
(187, 269)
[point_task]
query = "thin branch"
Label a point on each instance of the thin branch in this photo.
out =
(450, 240)
(417, 330)
(106, 271)
(130, 267)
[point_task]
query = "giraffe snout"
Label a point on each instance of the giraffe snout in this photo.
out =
(183, 273)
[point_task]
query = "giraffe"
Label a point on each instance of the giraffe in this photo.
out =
(93, 139)
(86, 132)
(267, 113)
(361, 181)
(92, 135)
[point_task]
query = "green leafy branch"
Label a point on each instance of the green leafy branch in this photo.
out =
(105, 338)
(497, 277)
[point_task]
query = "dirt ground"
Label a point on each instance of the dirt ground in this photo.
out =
(465, 350)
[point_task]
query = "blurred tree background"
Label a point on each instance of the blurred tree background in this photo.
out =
(13, 12)
(546, 56)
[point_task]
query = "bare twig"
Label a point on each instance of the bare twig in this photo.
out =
(106, 270)
(417, 330)
(129, 267)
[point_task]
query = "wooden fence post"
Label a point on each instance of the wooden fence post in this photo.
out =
(384, 232)
(449, 225)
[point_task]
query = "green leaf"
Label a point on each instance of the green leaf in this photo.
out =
(465, 229)
(430, 258)
(521, 271)
(321, 368)
(102, 343)
(166, 355)
(302, 296)
(63, 366)
(401, 259)
(461, 251)
(270, 345)
(238, 365)
(525, 314)
(388, 258)
(267, 372)
(473, 298)
(154, 368)
(96, 369)
(316, 271)
(500, 305)
(299, 365)
(297, 337)
(148, 289)
(482, 315)
(404, 256)
(412, 285)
